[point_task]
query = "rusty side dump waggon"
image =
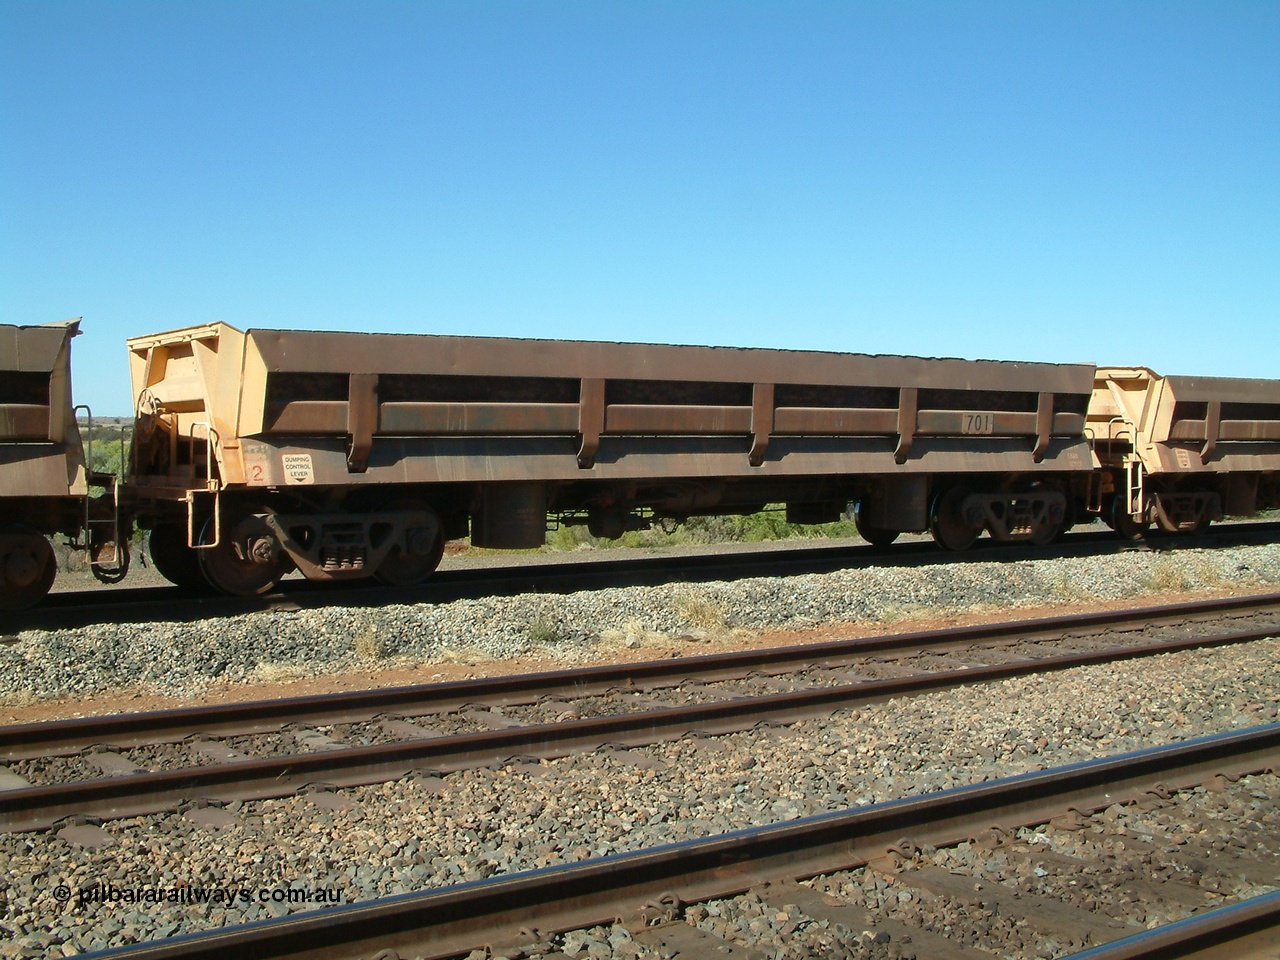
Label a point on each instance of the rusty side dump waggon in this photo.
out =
(1181, 452)
(44, 485)
(348, 455)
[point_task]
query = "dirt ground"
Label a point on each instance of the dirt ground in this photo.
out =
(127, 701)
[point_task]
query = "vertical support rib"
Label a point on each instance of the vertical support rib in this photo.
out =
(590, 420)
(362, 419)
(907, 403)
(1212, 426)
(1044, 426)
(761, 422)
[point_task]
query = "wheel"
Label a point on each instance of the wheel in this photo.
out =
(247, 562)
(27, 569)
(1069, 520)
(948, 525)
(1124, 524)
(173, 559)
(876, 536)
(1104, 514)
(425, 547)
(1053, 530)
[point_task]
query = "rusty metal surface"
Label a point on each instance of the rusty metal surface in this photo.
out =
(1242, 931)
(40, 450)
(345, 353)
(40, 470)
(502, 910)
(39, 807)
(21, 741)
(516, 459)
(383, 408)
(34, 349)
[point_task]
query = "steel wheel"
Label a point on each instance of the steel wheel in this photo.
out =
(27, 569)
(1068, 521)
(1052, 530)
(948, 525)
(425, 547)
(173, 559)
(248, 562)
(1124, 524)
(876, 536)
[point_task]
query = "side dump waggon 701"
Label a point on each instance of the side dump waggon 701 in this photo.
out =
(348, 455)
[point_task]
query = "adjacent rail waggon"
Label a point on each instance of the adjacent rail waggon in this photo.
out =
(44, 482)
(1181, 452)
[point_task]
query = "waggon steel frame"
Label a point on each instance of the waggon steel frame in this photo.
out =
(491, 436)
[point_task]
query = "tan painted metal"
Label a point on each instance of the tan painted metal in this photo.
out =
(1181, 425)
(40, 450)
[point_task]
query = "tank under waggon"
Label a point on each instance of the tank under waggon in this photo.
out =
(355, 454)
(44, 486)
(1181, 452)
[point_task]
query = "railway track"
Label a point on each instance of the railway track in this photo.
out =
(679, 899)
(68, 610)
(112, 766)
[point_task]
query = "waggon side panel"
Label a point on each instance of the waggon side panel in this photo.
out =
(40, 470)
(354, 409)
(321, 461)
(321, 352)
(34, 349)
(40, 450)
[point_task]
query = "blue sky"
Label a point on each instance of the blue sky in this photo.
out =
(1021, 180)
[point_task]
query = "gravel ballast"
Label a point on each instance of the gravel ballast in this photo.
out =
(427, 832)
(183, 659)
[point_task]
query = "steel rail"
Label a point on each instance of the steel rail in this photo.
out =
(39, 807)
(502, 911)
(148, 604)
(1240, 931)
(23, 741)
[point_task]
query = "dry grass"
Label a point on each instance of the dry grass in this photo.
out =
(18, 698)
(1064, 588)
(545, 631)
(701, 613)
(368, 646)
(1181, 576)
(281, 672)
(633, 635)
(910, 611)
